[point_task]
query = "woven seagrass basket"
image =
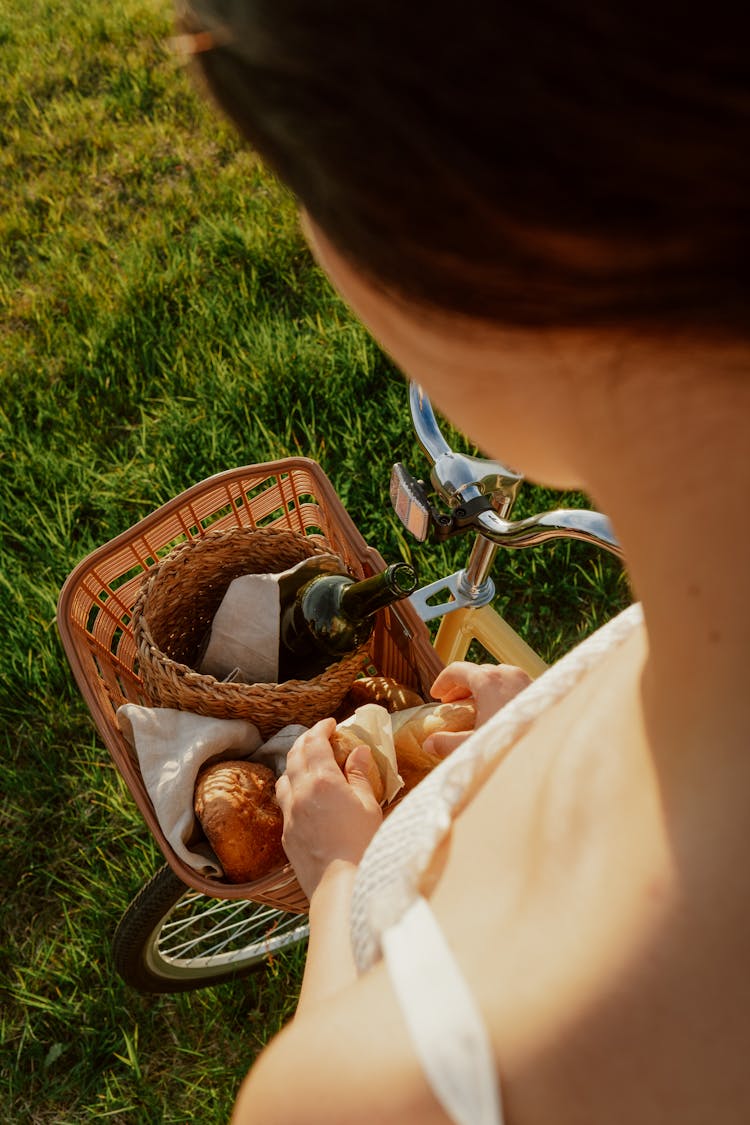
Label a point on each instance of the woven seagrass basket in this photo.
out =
(174, 612)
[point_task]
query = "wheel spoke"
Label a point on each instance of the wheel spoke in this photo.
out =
(231, 927)
(173, 938)
(200, 931)
(179, 924)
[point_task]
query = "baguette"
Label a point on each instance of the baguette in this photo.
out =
(412, 729)
(389, 693)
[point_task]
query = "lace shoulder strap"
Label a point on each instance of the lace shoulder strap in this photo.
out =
(441, 1015)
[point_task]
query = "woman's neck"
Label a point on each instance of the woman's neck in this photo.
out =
(674, 485)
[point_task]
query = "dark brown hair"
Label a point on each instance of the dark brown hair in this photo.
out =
(530, 163)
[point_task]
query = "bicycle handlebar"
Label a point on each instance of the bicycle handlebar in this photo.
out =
(460, 479)
(561, 523)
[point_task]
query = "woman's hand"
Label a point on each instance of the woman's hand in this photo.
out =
(328, 815)
(491, 686)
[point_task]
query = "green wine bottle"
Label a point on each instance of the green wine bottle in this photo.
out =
(328, 614)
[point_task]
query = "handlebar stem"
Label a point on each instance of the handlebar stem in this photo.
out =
(479, 566)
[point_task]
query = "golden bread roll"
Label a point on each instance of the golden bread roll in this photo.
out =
(389, 693)
(343, 742)
(236, 805)
(410, 734)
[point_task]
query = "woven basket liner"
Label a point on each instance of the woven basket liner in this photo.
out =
(97, 602)
(174, 612)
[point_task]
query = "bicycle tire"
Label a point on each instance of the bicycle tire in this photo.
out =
(173, 939)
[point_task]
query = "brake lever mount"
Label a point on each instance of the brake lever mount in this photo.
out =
(421, 518)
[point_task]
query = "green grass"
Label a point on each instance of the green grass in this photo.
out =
(161, 320)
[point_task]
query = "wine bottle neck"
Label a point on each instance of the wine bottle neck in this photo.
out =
(361, 599)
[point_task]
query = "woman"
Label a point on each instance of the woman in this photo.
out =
(539, 210)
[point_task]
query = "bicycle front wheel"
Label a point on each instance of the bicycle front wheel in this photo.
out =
(172, 939)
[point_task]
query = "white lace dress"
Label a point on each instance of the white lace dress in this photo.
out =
(391, 919)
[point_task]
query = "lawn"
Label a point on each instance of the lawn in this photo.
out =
(161, 320)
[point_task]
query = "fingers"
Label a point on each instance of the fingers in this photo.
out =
(329, 814)
(444, 742)
(363, 775)
(506, 680)
(491, 685)
(310, 756)
(453, 682)
(312, 750)
(283, 793)
(312, 759)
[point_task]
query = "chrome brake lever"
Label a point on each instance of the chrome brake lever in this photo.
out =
(462, 481)
(457, 477)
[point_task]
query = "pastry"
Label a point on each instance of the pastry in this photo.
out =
(235, 803)
(389, 693)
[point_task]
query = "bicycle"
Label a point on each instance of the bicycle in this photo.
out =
(183, 931)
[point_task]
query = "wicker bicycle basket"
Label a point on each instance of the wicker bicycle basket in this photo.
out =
(126, 642)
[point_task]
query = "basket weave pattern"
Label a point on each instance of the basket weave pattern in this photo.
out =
(115, 659)
(174, 612)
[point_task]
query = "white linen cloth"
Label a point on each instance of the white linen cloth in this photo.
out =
(244, 633)
(171, 746)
